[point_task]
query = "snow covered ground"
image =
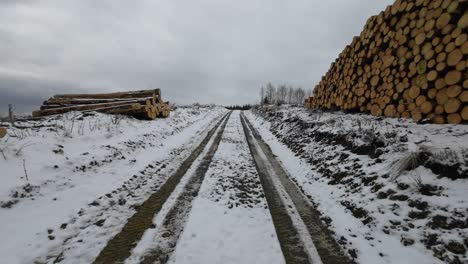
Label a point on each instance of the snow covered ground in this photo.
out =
(392, 191)
(69, 183)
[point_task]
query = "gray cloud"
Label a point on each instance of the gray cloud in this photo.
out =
(206, 51)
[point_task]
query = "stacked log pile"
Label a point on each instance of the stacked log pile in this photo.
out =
(410, 61)
(145, 104)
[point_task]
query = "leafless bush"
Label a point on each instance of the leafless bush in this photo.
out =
(67, 126)
(81, 128)
(116, 119)
(417, 180)
(448, 156)
(21, 134)
(25, 170)
(22, 147)
(2, 150)
(94, 125)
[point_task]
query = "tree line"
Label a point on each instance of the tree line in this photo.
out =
(282, 94)
(239, 107)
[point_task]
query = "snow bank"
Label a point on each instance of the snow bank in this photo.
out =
(393, 191)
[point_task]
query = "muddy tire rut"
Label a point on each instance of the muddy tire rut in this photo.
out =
(174, 222)
(285, 199)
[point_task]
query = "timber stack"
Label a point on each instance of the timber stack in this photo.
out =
(144, 104)
(410, 61)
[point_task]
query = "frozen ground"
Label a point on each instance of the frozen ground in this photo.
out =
(392, 191)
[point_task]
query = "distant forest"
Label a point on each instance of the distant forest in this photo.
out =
(283, 94)
(239, 107)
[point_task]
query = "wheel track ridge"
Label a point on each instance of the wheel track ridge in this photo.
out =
(293, 248)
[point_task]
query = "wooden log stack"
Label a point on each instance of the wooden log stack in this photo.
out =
(410, 61)
(144, 104)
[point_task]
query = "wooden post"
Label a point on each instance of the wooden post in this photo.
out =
(10, 114)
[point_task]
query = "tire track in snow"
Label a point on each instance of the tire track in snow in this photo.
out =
(119, 248)
(229, 221)
(303, 237)
(174, 221)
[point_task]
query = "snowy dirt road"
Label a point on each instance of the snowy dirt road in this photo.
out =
(220, 198)
(231, 202)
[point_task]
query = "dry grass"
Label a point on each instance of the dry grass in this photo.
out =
(407, 162)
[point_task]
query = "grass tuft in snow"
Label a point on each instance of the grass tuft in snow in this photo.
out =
(406, 162)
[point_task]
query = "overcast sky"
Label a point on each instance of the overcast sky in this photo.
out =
(205, 50)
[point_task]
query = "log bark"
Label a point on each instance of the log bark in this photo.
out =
(84, 101)
(83, 108)
(132, 94)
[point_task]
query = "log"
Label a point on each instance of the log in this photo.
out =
(390, 111)
(442, 96)
(414, 92)
(461, 39)
(463, 97)
(453, 91)
(464, 113)
(438, 119)
(452, 77)
(443, 20)
(463, 21)
(454, 57)
(77, 101)
(452, 105)
(427, 107)
(454, 118)
(464, 48)
(87, 102)
(132, 94)
(62, 110)
(432, 75)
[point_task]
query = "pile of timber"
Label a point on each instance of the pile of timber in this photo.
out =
(410, 61)
(145, 104)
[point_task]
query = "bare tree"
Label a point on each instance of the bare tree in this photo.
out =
(299, 95)
(262, 95)
(282, 94)
(270, 93)
(290, 94)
